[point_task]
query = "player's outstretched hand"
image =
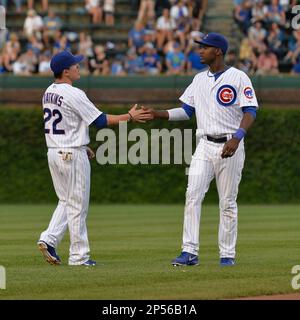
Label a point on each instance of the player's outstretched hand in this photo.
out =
(230, 148)
(151, 110)
(140, 115)
(90, 153)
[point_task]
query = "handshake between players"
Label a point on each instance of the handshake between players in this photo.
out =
(145, 114)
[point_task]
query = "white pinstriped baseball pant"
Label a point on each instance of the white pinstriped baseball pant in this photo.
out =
(71, 180)
(207, 164)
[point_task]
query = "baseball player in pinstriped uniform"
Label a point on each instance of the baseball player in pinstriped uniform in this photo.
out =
(67, 115)
(225, 105)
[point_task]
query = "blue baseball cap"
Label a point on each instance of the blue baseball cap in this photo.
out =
(64, 60)
(214, 39)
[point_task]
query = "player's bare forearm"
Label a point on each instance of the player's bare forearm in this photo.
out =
(157, 114)
(160, 114)
(247, 121)
(115, 119)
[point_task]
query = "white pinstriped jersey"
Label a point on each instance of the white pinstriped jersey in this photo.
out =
(67, 115)
(218, 102)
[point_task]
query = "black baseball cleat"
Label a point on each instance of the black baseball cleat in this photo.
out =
(49, 253)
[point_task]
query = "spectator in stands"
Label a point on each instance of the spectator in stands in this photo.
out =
(85, 48)
(52, 24)
(150, 36)
(85, 45)
(242, 15)
(160, 5)
(274, 40)
(247, 58)
(179, 10)
(257, 36)
(197, 10)
(169, 47)
(231, 59)
(146, 10)
(44, 64)
(175, 60)
(194, 35)
(150, 25)
(180, 13)
(151, 60)
(296, 62)
(61, 44)
(136, 35)
(25, 64)
(133, 63)
(33, 24)
(109, 11)
(257, 33)
(44, 5)
(293, 46)
(98, 63)
(12, 47)
(194, 64)
(275, 13)
(35, 45)
(94, 9)
(117, 68)
(164, 28)
(7, 62)
(258, 11)
(267, 63)
(2, 67)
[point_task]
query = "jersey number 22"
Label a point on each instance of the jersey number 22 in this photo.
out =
(58, 117)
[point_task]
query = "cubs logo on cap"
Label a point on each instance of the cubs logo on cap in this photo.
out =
(216, 40)
(226, 95)
(248, 92)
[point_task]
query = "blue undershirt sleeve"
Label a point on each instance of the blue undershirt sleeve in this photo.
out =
(101, 121)
(189, 110)
(251, 110)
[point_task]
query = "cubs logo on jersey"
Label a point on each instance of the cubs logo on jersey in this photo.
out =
(226, 95)
(248, 92)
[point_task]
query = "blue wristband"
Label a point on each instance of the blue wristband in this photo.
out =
(240, 134)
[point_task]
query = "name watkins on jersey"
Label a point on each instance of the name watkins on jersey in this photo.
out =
(52, 98)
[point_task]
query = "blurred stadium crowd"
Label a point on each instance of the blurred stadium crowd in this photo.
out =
(161, 40)
(270, 44)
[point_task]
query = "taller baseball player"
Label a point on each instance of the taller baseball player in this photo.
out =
(67, 116)
(225, 105)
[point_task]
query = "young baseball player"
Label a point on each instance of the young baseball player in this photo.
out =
(68, 113)
(225, 104)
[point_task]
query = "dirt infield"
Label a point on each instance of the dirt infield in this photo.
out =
(291, 296)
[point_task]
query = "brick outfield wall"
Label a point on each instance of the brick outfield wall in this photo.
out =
(142, 95)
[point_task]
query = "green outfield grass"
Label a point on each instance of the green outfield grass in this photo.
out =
(134, 245)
